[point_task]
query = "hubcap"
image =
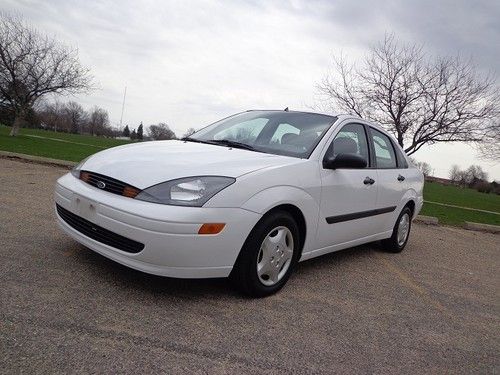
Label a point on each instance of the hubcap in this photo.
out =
(275, 256)
(403, 229)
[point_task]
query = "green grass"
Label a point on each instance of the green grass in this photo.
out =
(63, 146)
(464, 197)
(457, 216)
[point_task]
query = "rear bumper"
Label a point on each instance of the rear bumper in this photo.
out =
(172, 246)
(418, 206)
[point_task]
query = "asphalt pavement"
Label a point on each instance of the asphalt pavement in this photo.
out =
(435, 308)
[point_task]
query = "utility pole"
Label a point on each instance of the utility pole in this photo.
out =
(123, 106)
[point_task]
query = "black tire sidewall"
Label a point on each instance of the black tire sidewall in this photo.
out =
(246, 268)
(394, 245)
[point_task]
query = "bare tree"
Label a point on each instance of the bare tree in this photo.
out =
(161, 131)
(475, 174)
(418, 99)
(455, 174)
(76, 117)
(189, 132)
(52, 116)
(33, 65)
(489, 149)
(98, 121)
(424, 167)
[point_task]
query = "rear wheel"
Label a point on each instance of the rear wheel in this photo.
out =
(400, 233)
(268, 255)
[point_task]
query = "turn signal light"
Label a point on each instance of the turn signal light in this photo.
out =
(84, 176)
(211, 228)
(130, 192)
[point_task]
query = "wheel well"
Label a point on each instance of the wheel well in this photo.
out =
(299, 219)
(411, 206)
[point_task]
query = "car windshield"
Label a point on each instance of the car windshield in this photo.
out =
(275, 132)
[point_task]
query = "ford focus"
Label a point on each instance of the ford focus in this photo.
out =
(247, 197)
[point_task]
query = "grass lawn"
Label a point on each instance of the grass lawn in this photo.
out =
(457, 216)
(460, 197)
(464, 197)
(63, 146)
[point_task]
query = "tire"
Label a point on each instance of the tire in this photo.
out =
(397, 242)
(268, 255)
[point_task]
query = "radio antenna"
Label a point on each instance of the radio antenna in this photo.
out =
(123, 105)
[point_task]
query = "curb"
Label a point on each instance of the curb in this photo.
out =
(429, 220)
(38, 159)
(482, 227)
(463, 208)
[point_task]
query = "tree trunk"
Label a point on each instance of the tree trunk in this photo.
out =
(18, 122)
(401, 140)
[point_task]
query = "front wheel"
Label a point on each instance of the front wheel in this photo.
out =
(400, 233)
(268, 255)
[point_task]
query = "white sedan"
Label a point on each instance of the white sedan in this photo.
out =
(247, 197)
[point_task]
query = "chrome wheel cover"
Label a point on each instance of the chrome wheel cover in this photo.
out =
(275, 256)
(403, 229)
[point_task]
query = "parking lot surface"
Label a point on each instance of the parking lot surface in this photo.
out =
(434, 308)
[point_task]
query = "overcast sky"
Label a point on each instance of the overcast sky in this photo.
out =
(189, 63)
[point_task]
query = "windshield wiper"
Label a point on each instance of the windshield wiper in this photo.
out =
(235, 144)
(222, 142)
(189, 139)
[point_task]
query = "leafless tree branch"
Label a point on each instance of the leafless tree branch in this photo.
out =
(33, 65)
(420, 100)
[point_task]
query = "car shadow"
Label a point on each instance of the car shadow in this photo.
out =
(109, 271)
(342, 257)
(124, 277)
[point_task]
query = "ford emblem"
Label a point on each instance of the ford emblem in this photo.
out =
(101, 185)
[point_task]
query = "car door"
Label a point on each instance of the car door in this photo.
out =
(348, 196)
(391, 181)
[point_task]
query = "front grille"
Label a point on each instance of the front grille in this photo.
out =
(108, 184)
(98, 233)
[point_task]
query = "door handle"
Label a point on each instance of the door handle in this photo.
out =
(401, 178)
(369, 181)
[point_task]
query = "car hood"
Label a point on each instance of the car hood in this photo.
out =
(148, 163)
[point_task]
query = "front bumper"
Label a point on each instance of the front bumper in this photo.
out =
(172, 245)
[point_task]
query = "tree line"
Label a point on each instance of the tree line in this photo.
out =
(473, 177)
(71, 117)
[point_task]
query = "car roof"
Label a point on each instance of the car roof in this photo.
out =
(337, 116)
(333, 116)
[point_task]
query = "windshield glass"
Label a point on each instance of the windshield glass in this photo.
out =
(275, 132)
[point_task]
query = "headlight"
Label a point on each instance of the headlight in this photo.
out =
(76, 169)
(190, 191)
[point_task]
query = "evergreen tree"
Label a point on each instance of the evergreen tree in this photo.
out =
(126, 132)
(140, 132)
(133, 134)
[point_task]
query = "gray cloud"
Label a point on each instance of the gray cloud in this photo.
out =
(191, 62)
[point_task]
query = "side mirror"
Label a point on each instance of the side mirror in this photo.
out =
(344, 161)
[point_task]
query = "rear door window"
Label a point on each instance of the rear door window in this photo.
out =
(385, 155)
